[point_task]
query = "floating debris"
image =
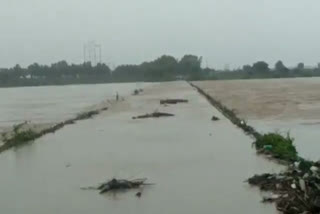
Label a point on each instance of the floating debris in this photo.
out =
(294, 191)
(214, 118)
(137, 91)
(153, 115)
(173, 101)
(120, 184)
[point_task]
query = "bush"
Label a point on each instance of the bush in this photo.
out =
(281, 147)
(21, 137)
(305, 165)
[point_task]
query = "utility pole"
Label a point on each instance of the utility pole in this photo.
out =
(90, 52)
(84, 53)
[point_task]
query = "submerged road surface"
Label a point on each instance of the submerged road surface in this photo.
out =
(199, 166)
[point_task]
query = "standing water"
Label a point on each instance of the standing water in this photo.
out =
(197, 165)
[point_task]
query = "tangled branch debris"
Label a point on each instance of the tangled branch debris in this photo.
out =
(294, 191)
(137, 91)
(214, 118)
(173, 101)
(120, 184)
(153, 115)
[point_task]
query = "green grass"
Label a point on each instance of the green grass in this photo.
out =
(21, 137)
(305, 165)
(281, 147)
(86, 115)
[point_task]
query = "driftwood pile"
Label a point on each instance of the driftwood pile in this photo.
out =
(115, 185)
(153, 115)
(294, 191)
(137, 91)
(173, 101)
(214, 118)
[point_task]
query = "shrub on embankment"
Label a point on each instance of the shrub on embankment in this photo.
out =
(278, 146)
(20, 137)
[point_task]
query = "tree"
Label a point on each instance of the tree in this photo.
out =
(189, 64)
(247, 68)
(300, 66)
(280, 67)
(261, 67)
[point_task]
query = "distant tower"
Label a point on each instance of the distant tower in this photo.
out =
(92, 51)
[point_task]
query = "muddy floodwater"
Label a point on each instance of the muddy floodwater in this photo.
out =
(283, 105)
(197, 165)
(49, 104)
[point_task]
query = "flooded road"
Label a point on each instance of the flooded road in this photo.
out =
(199, 166)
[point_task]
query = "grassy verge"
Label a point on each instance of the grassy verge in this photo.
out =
(20, 137)
(278, 146)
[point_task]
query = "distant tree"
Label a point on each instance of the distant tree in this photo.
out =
(261, 67)
(190, 64)
(280, 67)
(247, 68)
(300, 66)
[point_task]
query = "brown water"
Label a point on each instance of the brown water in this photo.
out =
(284, 105)
(276, 99)
(199, 166)
(48, 104)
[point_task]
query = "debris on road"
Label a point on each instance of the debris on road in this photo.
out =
(295, 191)
(214, 118)
(137, 91)
(153, 115)
(173, 101)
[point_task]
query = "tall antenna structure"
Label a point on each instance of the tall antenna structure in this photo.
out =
(92, 50)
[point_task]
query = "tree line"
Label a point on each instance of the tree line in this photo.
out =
(262, 69)
(164, 68)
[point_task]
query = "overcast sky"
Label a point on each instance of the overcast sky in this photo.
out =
(224, 32)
